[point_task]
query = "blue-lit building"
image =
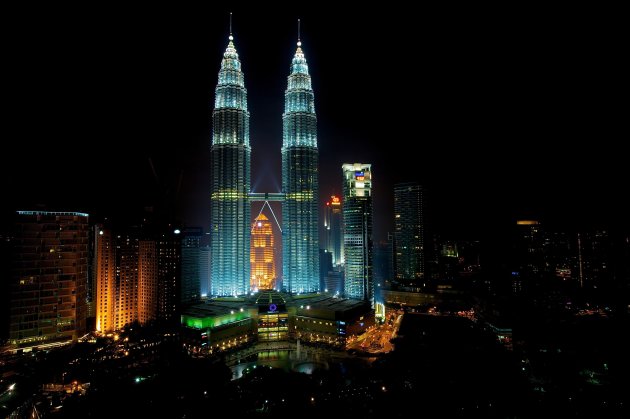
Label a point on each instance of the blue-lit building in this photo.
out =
(190, 289)
(300, 238)
(357, 231)
(230, 208)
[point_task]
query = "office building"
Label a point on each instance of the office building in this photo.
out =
(408, 232)
(332, 230)
(190, 290)
(357, 231)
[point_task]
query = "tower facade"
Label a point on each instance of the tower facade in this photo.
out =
(262, 257)
(408, 231)
(50, 272)
(300, 242)
(357, 231)
(230, 209)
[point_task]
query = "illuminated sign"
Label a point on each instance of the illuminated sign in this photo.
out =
(273, 307)
(359, 175)
(335, 200)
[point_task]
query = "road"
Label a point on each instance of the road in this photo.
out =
(378, 338)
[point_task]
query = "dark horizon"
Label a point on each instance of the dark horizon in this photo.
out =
(113, 111)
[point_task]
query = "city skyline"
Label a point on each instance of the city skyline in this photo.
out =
(445, 206)
(148, 89)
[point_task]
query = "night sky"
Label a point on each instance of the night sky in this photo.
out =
(512, 112)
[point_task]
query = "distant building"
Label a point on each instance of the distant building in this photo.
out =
(357, 231)
(147, 280)
(204, 270)
(558, 255)
(408, 231)
(262, 255)
(383, 260)
(169, 271)
(594, 260)
(49, 278)
(333, 230)
(334, 281)
(325, 265)
(528, 262)
(190, 290)
(449, 261)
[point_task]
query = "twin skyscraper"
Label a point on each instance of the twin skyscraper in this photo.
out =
(231, 181)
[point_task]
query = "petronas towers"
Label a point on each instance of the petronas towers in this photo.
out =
(230, 196)
(230, 154)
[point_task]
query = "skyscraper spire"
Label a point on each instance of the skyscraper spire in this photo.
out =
(230, 153)
(300, 180)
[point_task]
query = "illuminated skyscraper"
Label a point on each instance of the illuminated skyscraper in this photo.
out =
(357, 231)
(300, 242)
(126, 279)
(333, 233)
(126, 291)
(262, 257)
(408, 231)
(48, 287)
(230, 209)
(105, 280)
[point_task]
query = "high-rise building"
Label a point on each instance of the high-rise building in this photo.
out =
(190, 289)
(126, 267)
(204, 269)
(6, 242)
(230, 209)
(334, 281)
(147, 280)
(169, 271)
(325, 265)
(383, 260)
(90, 289)
(528, 262)
(126, 290)
(105, 281)
(357, 231)
(49, 277)
(594, 260)
(300, 181)
(262, 256)
(408, 231)
(332, 230)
